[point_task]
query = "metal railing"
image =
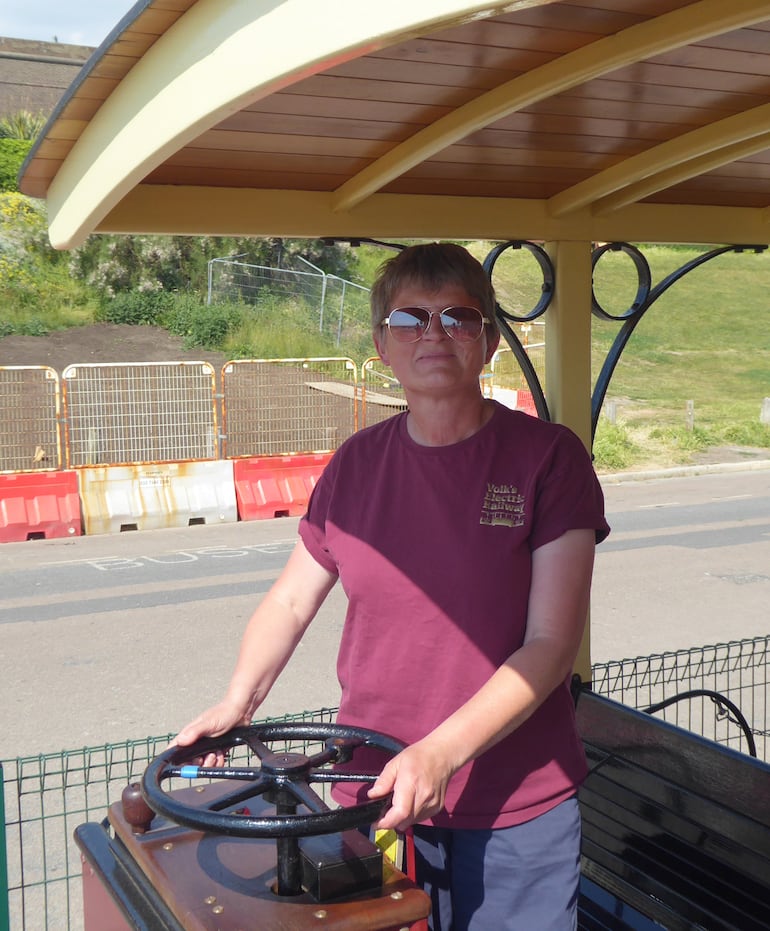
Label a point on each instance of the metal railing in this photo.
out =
(738, 670)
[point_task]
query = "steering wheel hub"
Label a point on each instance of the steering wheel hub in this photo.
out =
(291, 765)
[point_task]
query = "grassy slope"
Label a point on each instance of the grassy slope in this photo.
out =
(705, 340)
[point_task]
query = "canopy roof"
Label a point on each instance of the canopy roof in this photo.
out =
(598, 120)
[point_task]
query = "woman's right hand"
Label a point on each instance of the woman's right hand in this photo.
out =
(215, 721)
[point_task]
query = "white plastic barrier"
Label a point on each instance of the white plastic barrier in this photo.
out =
(148, 497)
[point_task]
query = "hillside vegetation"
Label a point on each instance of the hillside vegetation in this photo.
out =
(693, 376)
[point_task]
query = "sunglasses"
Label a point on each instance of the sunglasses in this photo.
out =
(409, 324)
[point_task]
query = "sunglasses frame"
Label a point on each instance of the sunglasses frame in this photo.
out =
(431, 314)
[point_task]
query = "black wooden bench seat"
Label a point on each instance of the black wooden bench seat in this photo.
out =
(676, 828)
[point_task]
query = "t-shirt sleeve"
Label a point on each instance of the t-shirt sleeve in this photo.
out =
(568, 494)
(312, 526)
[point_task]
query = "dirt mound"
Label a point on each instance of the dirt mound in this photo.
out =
(101, 342)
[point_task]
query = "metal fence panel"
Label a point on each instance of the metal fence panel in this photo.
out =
(505, 373)
(5, 918)
(29, 418)
(279, 407)
(739, 670)
(381, 393)
(342, 306)
(140, 412)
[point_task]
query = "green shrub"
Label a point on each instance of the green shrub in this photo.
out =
(613, 450)
(12, 155)
(751, 433)
(137, 307)
(684, 440)
(201, 325)
(22, 125)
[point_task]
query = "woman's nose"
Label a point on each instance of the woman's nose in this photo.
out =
(434, 329)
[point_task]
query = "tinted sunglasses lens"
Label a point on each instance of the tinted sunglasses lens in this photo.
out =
(408, 323)
(462, 323)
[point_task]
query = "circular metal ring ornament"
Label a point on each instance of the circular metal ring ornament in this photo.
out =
(546, 267)
(644, 280)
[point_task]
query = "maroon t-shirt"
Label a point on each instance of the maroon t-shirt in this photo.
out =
(433, 548)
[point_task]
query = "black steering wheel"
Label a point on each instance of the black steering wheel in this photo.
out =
(284, 779)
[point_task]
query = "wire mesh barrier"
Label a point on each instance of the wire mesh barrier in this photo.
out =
(120, 414)
(286, 406)
(340, 307)
(381, 393)
(504, 374)
(48, 796)
(125, 414)
(693, 681)
(29, 418)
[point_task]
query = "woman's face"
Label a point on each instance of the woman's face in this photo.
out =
(436, 362)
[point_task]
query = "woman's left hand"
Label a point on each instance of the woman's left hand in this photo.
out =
(418, 779)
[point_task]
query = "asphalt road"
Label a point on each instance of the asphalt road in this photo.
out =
(106, 638)
(687, 564)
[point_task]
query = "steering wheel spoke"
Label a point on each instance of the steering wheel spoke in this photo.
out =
(341, 775)
(308, 797)
(257, 747)
(239, 796)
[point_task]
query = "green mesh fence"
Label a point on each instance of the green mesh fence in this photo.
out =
(693, 681)
(45, 798)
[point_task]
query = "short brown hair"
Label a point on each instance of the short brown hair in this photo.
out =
(432, 265)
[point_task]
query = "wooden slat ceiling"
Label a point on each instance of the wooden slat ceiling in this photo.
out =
(578, 118)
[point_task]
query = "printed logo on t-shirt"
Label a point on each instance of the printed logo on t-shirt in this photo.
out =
(503, 506)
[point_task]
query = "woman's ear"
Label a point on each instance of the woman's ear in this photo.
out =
(493, 341)
(380, 344)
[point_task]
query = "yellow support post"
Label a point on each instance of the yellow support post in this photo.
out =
(568, 360)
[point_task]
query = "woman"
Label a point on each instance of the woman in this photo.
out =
(463, 534)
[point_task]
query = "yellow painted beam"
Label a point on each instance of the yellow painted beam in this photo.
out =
(670, 177)
(215, 59)
(568, 337)
(753, 124)
(568, 360)
(692, 23)
(307, 214)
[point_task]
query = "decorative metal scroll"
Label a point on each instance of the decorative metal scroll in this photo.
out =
(541, 305)
(646, 295)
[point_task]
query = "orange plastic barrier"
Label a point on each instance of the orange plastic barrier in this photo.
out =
(39, 505)
(276, 486)
(526, 402)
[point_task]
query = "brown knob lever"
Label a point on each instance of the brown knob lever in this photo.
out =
(135, 810)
